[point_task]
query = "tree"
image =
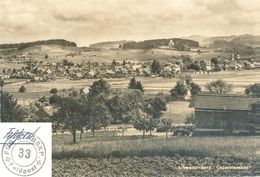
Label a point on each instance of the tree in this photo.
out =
(180, 90)
(134, 84)
(113, 63)
(97, 110)
(12, 112)
(195, 66)
(141, 120)
(99, 88)
(98, 114)
(190, 119)
(118, 107)
(253, 90)
(155, 67)
(184, 86)
(139, 86)
(69, 112)
(65, 62)
(203, 65)
(215, 62)
(219, 87)
(133, 100)
(54, 91)
(166, 124)
(195, 89)
(155, 108)
(22, 89)
(38, 114)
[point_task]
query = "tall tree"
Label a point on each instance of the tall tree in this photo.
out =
(69, 112)
(141, 120)
(215, 62)
(166, 124)
(155, 67)
(195, 89)
(97, 110)
(121, 105)
(12, 112)
(134, 84)
(180, 90)
(155, 108)
(139, 86)
(203, 65)
(253, 90)
(118, 108)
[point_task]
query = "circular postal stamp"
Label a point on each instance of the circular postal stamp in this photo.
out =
(24, 156)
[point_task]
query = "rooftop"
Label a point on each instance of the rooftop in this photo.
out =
(224, 102)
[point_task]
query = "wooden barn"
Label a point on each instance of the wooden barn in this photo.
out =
(228, 112)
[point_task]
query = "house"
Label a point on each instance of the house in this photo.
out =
(171, 44)
(227, 112)
(79, 75)
(176, 68)
(257, 65)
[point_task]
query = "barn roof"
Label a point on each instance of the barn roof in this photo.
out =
(224, 102)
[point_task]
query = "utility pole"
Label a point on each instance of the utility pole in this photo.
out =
(1, 86)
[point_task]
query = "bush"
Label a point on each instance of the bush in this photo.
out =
(22, 89)
(53, 90)
(190, 119)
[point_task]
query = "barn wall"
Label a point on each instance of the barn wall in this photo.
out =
(216, 119)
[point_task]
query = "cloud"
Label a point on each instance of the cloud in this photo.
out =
(74, 18)
(87, 21)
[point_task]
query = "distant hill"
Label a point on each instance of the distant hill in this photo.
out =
(23, 45)
(245, 39)
(39, 51)
(231, 47)
(179, 44)
(108, 45)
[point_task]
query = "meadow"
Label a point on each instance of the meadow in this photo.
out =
(58, 53)
(110, 155)
(239, 79)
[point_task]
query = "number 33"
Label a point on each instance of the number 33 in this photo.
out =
(24, 153)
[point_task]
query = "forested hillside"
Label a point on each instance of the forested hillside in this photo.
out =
(24, 45)
(179, 44)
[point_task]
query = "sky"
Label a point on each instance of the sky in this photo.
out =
(90, 21)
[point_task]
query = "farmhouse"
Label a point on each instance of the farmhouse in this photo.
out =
(227, 112)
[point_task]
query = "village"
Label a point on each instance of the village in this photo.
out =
(42, 70)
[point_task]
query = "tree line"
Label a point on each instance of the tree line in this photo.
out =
(24, 45)
(79, 111)
(149, 44)
(100, 106)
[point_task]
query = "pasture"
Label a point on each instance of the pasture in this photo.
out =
(110, 155)
(239, 79)
(78, 55)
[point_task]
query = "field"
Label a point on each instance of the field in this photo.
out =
(111, 155)
(57, 53)
(239, 79)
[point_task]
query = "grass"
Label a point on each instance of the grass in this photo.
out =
(239, 79)
(111, 155)
(147, 166)
(131, 146)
